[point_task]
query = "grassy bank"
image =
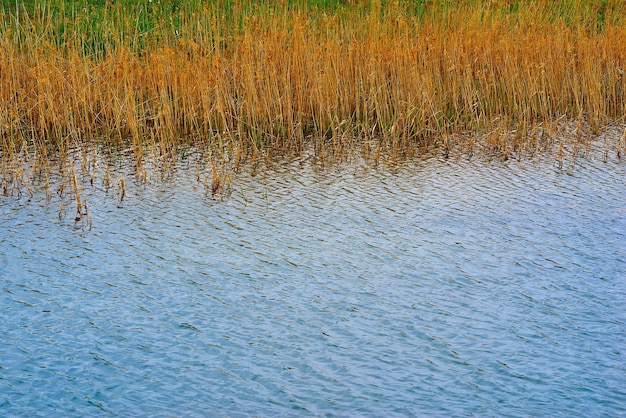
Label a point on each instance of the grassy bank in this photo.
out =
(242, 78)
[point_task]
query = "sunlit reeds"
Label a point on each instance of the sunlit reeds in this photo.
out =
(243, 78)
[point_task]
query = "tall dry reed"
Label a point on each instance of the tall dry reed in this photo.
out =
(243, 77)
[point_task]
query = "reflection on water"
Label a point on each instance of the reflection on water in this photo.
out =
(438, 288)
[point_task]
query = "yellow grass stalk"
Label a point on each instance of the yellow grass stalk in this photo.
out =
(283, 78)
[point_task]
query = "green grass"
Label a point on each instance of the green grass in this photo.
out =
(103, 24)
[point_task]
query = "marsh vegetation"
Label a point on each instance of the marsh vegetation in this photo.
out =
(243, 81)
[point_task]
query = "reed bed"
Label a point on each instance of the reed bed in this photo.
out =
(242, 78)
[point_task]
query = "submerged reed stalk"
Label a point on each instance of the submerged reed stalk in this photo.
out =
(242, 77)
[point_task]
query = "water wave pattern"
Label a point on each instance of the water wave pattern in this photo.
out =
(440, 288)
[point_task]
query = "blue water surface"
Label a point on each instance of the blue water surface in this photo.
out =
(436, 288)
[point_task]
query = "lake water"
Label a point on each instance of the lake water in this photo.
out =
(433, 288)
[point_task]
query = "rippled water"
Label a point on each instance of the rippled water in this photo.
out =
(438, 288)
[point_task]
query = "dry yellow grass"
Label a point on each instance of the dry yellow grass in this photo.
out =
(283, 79)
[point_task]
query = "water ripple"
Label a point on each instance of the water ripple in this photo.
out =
(439, 288)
